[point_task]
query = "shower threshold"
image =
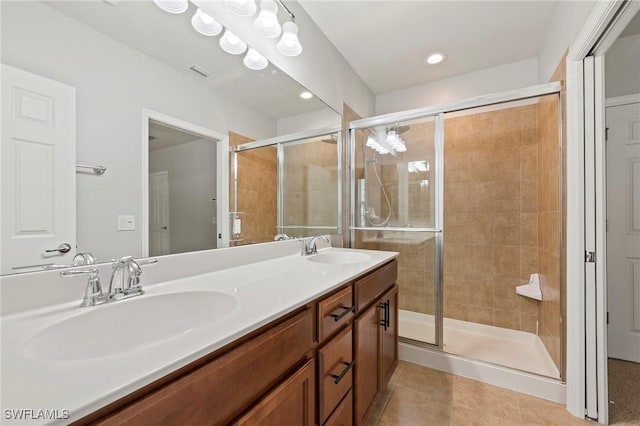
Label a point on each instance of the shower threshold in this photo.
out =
(510, 348)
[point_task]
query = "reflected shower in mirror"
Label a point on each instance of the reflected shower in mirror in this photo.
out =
(287, 185)
(96, 69)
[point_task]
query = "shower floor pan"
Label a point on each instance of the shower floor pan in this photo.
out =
(510, 348)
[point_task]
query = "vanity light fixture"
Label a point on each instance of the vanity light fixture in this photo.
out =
(306, 95)
(255, 61)
(172, 6)
(289, 45)
(205, 24)
(230, 43)
(435, 58)
(266, 23)
(242, 7)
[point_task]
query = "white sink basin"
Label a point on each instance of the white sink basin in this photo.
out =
(340, 258)
(123, 326)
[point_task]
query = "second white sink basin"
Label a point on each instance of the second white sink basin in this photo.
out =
(120, 327)
(340, 258)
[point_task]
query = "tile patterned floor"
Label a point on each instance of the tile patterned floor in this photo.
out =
(419, 395)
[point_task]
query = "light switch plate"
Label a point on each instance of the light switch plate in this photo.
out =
(126, 223)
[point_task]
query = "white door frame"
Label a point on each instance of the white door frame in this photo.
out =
(586, 209)
(222, 174)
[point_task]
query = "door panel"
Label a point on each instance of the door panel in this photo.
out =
(159, 242)
(623, 236)
(366, 346)
(38, 170)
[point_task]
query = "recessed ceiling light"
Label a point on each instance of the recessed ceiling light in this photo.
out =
(435, 58)
(306, 95)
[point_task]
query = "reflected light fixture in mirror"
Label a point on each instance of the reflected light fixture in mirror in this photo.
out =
(230, 43)
(255, 61)
(241, 7)
(266, 23)
(289, 45)
(205, 24)
(172, 6)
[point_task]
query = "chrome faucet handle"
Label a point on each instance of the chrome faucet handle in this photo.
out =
(84, 258)
(93, 294)
(312, 244)
(280, 237)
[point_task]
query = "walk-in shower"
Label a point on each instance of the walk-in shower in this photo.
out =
(287, 185)
(470, 195)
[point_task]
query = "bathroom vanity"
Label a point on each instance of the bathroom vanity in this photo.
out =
(308, 340)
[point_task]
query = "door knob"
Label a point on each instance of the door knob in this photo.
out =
(164, 227)
(62, 248)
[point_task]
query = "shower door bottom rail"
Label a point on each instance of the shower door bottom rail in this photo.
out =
(392, 228)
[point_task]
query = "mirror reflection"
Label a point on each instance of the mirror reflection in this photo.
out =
(91, 83)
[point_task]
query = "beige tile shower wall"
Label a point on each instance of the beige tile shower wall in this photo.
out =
(491, 216)
(311, 184)
(257, 191)
(416, 265)
(551, 225)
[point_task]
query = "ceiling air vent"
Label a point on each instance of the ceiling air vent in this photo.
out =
(201, 72)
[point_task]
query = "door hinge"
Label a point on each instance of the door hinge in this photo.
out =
(606, 133)
(590, 256)
(607, 317)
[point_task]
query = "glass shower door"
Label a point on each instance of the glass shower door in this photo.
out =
(396, 198)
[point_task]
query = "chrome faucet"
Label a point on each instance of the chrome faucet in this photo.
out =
(130, 286)
(84, 258)
(119, 287)
(93, 294)
(280, 237)
(310, 246)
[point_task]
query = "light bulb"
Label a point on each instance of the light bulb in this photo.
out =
(266, 24)
(289, 45)
(255, 61)
(241, 7)
(172, 6)
(230, 43)
(435, 58)
(205, 24)
(306, 95)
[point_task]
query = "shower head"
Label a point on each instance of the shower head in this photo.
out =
(398, 128)
(333, 139)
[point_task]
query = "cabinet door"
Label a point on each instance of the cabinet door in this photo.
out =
(291, 403)
(366, 369)
(389, 335)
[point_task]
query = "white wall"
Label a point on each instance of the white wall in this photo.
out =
(491, 80)
(320, 67)
(308, 120)
(562, 30)
(192, 185)
(113, 83)
(622, 62)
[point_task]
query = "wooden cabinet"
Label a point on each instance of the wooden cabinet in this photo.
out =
(291, 403)
(343, 415)
(282, 374)
(375, 337)
(335, 363)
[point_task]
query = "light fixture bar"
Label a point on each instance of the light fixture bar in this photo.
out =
(290, 13)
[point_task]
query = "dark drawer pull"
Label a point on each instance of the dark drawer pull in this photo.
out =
(348, 367)
(347, 309)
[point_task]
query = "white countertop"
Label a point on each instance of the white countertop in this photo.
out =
(265, 290)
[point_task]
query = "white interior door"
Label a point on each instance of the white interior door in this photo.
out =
(623, 236)
(159, 213)
(38, 171)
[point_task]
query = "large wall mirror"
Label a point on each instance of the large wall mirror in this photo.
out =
(117, 123)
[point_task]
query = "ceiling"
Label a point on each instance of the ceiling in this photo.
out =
(161, 136)
(171, 39)
(632, 27)
(386, 42)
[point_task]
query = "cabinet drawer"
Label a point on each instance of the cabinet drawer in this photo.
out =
(334, 312)
(335, 362)
(218, 391)
(368, 288)
(291, 403)
(343, 416)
